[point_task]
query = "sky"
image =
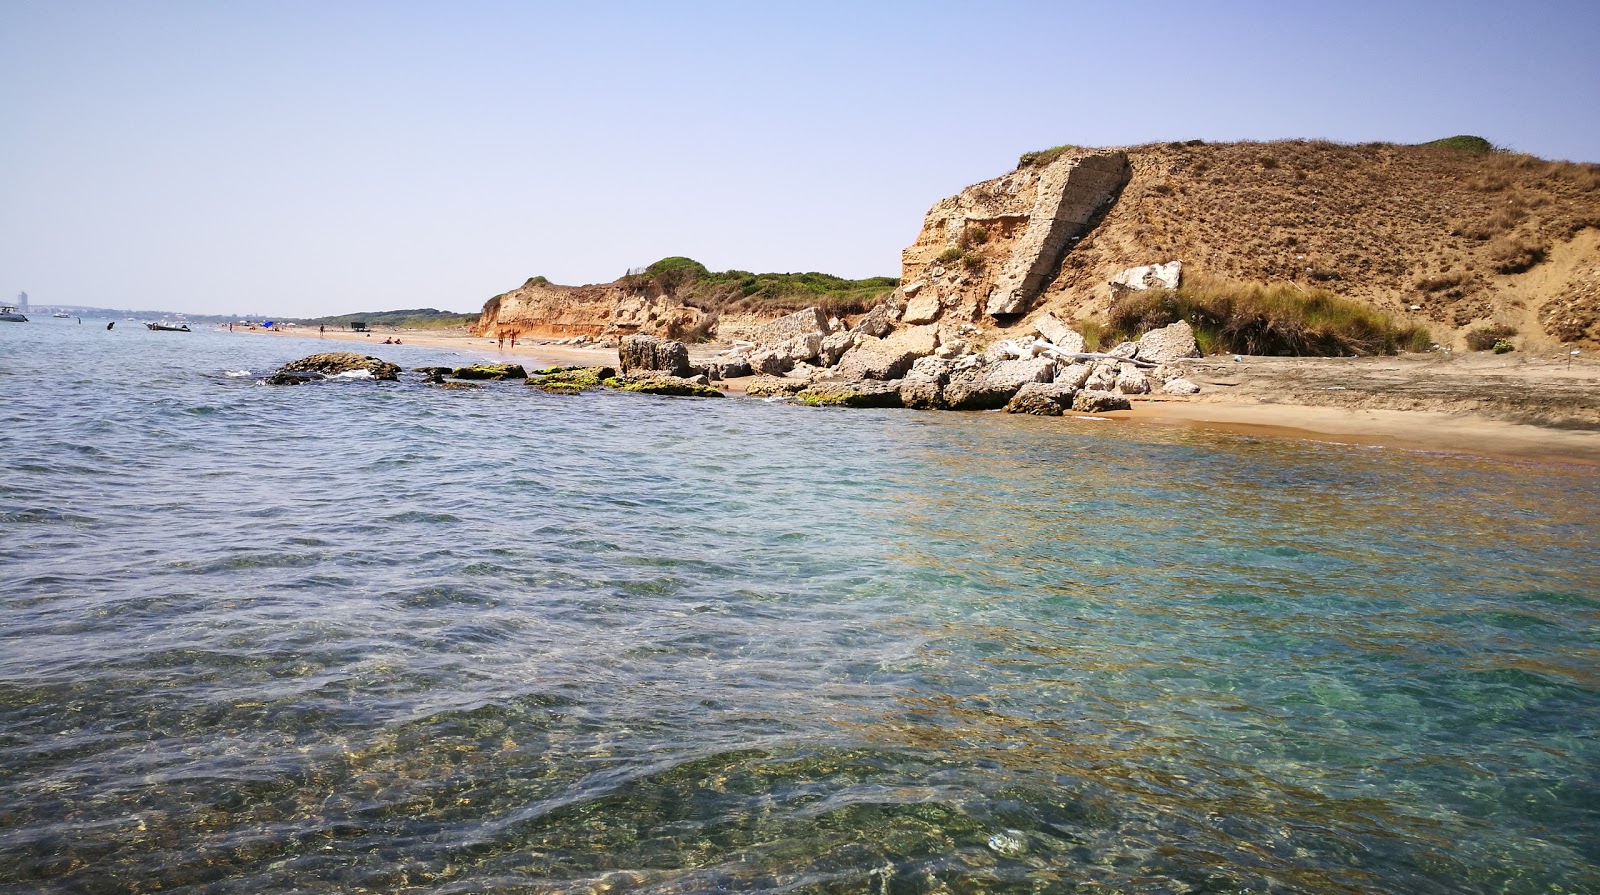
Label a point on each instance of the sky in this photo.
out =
(307, 158)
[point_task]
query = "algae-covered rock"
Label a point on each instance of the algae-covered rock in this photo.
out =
(663, 385)
(490, 371)
(571, 380)
(454, 386)
(773, 387)
(334, 363)
(861, 393)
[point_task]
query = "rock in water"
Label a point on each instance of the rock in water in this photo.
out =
(1042, 399)
(335, 362)
(490, 371)
(650, 354)
(1089, 401)
(675, 386)
(863, 393)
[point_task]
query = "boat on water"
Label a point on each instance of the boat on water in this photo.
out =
(62, 315)
(9, 314)
(163, 328)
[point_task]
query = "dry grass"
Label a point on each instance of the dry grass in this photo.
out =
(1484, 338)
(1516, 255)
(1251, 318)
(1388, 225)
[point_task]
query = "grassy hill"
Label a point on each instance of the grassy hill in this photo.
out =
(1454, 234)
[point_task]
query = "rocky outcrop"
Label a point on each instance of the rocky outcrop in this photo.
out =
(1090, 401)
(773, 387)
(888, 358)
(1042, 399)
(1168, 343)
(674, 386)
(1150, 276)
(648, 353)
(490, 371)
(541, 309)
(994, 245)
(859, 393)
(1062, 336)
(791, 327)
(984, 386)
(336, 363)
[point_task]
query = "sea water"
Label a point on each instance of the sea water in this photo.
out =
(365, 636)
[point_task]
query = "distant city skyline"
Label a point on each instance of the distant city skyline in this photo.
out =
(314, 159)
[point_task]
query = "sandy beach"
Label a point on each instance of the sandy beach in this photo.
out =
(1533, 406)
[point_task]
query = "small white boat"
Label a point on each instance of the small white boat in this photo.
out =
(63, 315)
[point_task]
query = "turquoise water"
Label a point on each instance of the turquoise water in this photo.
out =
(380, 637)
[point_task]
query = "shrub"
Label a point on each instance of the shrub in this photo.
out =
(1504, 345)
(951, 255)
(1463, 143)
(1515, 255)
(1485, 338)
(974, 235)
(1250, 318)
(1043, 157)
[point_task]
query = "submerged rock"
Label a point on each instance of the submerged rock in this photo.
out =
(334, 363)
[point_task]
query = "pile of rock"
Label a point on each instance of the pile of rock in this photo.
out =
(898, 355)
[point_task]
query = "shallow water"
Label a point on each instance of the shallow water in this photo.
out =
(374, 636)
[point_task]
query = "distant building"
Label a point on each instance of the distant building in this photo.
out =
(22, 302)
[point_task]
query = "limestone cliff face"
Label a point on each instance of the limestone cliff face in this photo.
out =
(539, 309)
(994, 245)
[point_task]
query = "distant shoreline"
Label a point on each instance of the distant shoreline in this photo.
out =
(1460, 408)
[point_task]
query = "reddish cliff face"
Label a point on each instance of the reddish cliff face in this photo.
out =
(539, 309)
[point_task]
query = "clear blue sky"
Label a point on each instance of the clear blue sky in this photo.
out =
(301, 158)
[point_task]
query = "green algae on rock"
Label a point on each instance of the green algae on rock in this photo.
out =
(490, 371)
(663, 385)
(865, 393)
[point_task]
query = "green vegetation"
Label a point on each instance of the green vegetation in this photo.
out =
(1250, 318)
(417, 318)
(1503, 345)
(951, 255)
(736, 290)
(570, 380)
(663, 385)
(1042, 157)
(1463, 143)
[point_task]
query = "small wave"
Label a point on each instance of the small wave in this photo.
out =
(352, 374)
(235, 374)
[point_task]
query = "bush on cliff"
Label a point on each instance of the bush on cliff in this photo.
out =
(1251, 318)
(741, 290)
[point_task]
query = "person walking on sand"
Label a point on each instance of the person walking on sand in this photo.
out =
(502, 344)
(513, 340)
(322, 330)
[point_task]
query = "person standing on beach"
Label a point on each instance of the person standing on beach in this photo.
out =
(502, 344)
